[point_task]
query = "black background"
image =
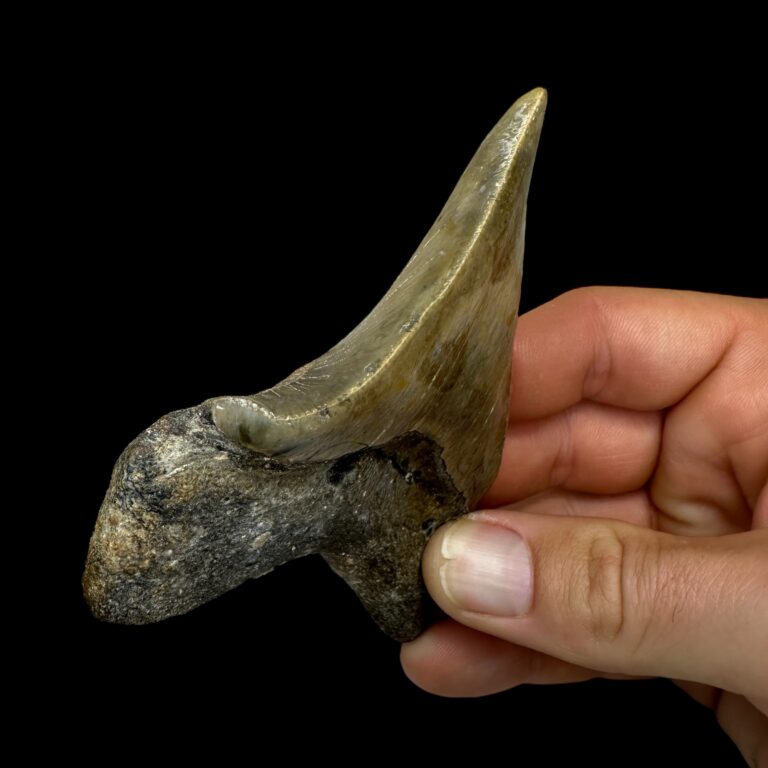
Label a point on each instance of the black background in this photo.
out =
(232, 214)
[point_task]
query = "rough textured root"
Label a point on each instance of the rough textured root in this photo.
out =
(190, 515)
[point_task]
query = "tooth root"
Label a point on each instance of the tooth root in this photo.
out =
(434, 355)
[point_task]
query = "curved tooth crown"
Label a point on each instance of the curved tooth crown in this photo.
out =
(434, 355)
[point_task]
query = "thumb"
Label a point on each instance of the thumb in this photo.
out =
(610, 596)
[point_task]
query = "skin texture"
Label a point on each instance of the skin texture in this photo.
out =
(635, 469)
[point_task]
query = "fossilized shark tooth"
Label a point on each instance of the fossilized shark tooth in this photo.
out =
(358, 455)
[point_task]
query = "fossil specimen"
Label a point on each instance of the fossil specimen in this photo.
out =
(358, 455)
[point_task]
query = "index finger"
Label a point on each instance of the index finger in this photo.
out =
(636, 348)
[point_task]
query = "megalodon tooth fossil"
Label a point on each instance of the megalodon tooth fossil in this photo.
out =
(358, 455)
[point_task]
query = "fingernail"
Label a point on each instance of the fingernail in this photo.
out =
(486, 569)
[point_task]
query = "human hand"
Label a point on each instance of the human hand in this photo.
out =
(627, 531)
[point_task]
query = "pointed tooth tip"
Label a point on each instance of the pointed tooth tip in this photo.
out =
(537, 98)
(527, 113)
(524, 119)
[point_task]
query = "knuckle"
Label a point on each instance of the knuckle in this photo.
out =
(614, 586)
(603, 585)
(619, 587)
(594, 304)
(563, 460)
